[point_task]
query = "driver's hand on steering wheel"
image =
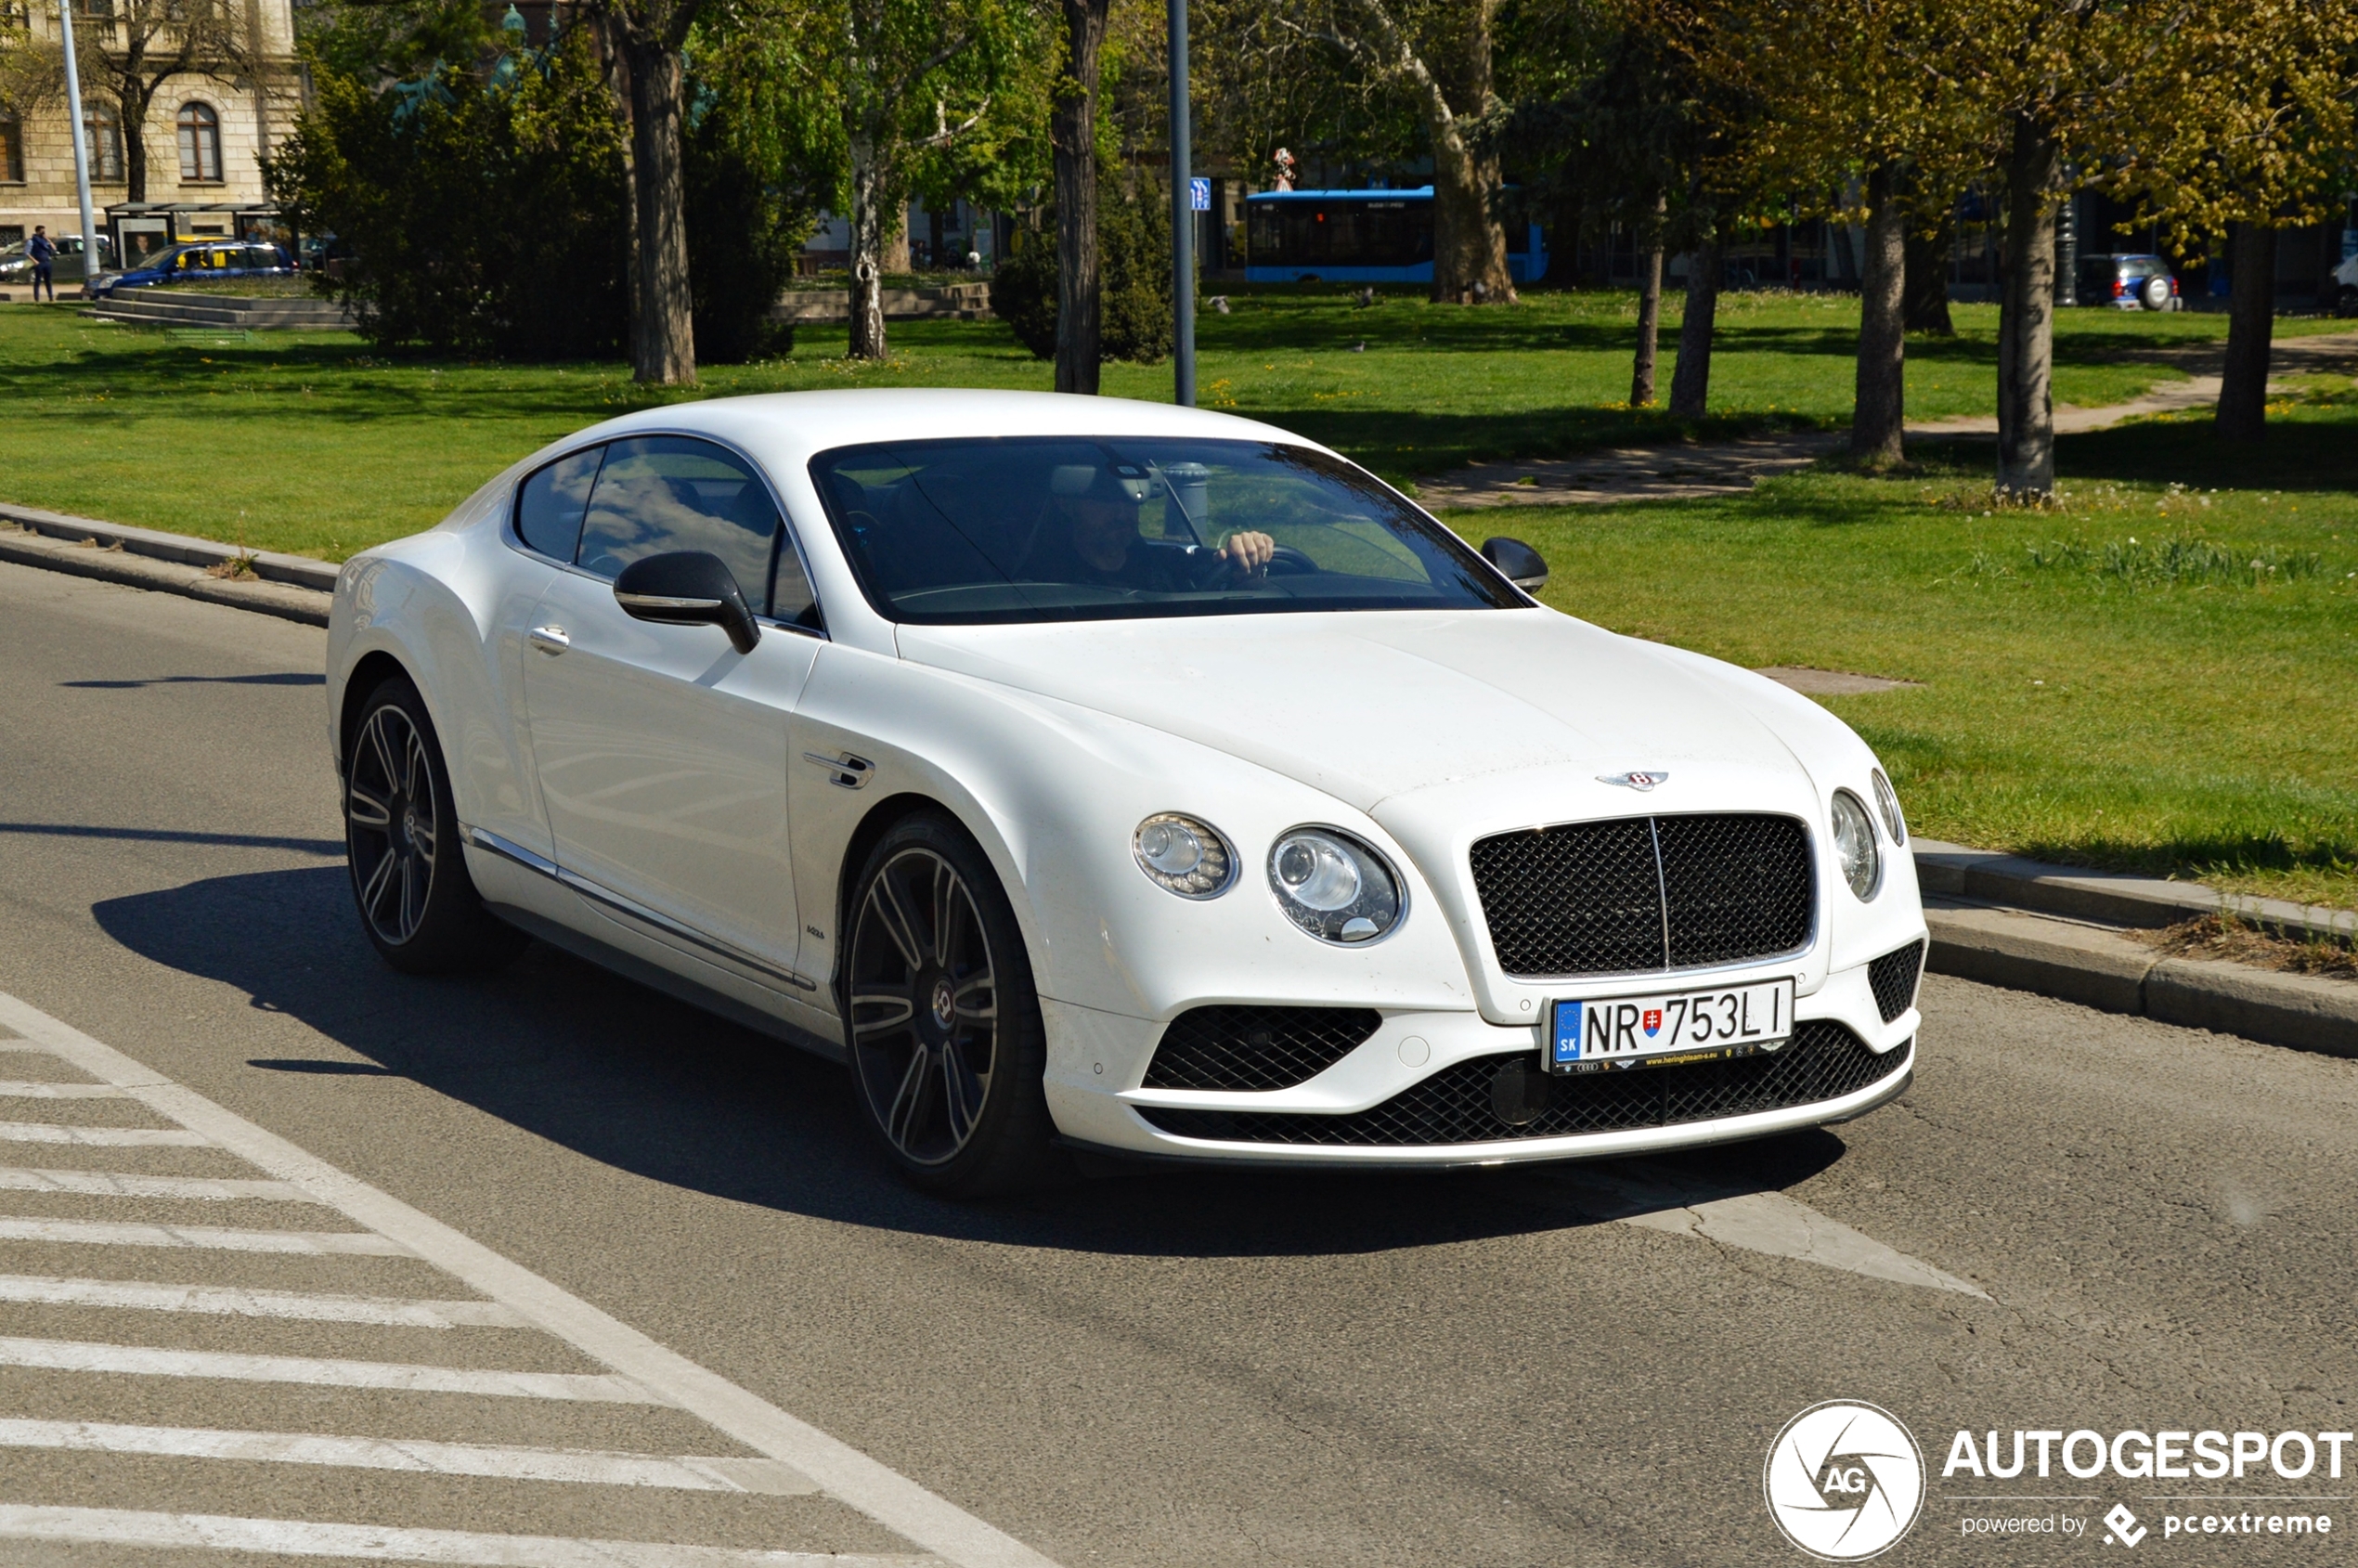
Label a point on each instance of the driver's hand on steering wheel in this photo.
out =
(1246, 554)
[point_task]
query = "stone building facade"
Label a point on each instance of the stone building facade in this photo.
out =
(206, 130)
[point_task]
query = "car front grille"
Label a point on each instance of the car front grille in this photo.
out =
(1892, 979)
(1256, 1047)
(1637, 893)
(1492, 1099)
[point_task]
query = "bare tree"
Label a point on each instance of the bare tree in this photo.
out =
(129, 49)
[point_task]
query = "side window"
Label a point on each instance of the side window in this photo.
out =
(551, 504)
(790, 597)
(660, 493)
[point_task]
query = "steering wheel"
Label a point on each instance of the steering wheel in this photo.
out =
(1286, 562)
(1209, 567)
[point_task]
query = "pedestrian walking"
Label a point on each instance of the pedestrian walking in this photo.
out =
(43, 251)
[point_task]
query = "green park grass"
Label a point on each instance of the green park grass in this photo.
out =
(2155, 705)
(2162, 709)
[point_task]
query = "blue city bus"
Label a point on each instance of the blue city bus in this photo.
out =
(1357, 237)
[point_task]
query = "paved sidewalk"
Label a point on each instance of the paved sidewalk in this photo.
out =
(1687, 470)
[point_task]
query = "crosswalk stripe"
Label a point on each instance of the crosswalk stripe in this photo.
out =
(292, 1538)
(596, 1467)
(124, 1183)
(80, 1356)
(231, 1301)
(102, 1137)
(653, 1371)
(111, 1233)
(15, 1090)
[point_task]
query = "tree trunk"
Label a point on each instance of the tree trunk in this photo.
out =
(1878, 414)
(1072, 136)
(663, 349)
(2027, 317)
(2251, 318)
(867, 249)
(1469, 243)
(132, 106)
(1927, 288)
(1690, 381)
(1641, 372)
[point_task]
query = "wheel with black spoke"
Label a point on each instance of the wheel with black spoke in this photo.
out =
(416, 903)
(945, 1035)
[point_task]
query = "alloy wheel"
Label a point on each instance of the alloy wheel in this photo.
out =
(390, 823)
(924, 1005)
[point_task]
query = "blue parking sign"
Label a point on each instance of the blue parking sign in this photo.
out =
(1200, 195)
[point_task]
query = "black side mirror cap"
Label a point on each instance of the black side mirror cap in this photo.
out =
(687, 587)
(1517, 562)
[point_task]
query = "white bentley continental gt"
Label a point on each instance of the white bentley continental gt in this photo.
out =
(1109, 776)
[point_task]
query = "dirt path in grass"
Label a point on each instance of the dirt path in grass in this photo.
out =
(1683, 470)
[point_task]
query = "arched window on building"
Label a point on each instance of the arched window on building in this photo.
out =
(11, 148)
(200, 144)
(102, 140)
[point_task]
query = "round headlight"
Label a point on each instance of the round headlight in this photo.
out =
(1887, 802)
(1332, 885)
(1855, 846)
(1187, 856)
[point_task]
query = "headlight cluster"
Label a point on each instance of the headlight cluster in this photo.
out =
(1187, 857)
(1329, 883)
(1887, 802)
(1332, 885)
(1855, 846)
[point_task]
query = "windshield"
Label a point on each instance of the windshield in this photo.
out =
(971, 531)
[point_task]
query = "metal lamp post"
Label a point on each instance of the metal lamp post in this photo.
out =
(90, 254)
(1183, 219)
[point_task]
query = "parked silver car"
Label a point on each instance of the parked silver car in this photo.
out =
(16, 265)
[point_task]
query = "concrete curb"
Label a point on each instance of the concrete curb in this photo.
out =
(2110, 898)
(120, 560)
(2103, 969)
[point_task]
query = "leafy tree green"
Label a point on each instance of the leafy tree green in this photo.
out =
(1134, 232)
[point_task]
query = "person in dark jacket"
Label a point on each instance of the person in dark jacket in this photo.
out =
(44, 252)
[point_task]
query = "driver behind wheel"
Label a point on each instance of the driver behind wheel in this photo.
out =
(1091, 534)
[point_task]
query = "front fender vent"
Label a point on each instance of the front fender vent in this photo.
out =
(1256, 1048)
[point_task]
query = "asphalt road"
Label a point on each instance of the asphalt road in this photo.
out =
(2071, 1221)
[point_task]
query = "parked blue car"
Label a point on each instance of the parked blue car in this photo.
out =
(208, 261)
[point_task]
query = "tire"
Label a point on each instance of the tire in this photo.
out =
(943, 1022)
(409, 881)
(2155, 293)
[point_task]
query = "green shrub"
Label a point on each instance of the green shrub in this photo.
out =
(1133, 270)
(742, 232)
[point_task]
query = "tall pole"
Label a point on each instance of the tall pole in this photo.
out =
(90, 256)
(1183, 219)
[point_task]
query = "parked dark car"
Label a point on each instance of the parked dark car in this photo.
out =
(2128, 282)
(16, 265)
(210, 261)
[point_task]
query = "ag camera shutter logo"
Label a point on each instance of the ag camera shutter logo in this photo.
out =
(1845, 1481)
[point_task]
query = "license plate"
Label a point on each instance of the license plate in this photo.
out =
(1683, 1026)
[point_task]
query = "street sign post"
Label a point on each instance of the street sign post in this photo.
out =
(1183, 219)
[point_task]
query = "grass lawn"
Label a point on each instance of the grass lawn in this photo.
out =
(309, 443)
(2152, 706)
(2167, 709)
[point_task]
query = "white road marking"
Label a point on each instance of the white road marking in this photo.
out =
(293, 1538)
(124, 1184)
(58, 1092)
(233, 1301)
(111, 1233)
(102, 1137)
(1654, 1198)
(683, 1473)
(845, 1473)
(84, 1356)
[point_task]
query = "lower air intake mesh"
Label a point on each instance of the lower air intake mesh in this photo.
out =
(1256, 1047)
(1892, 979)
(1490, 1099)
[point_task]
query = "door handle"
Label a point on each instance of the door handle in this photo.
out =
(550, 640)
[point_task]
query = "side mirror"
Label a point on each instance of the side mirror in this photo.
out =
(1517, 562)
(687, 587)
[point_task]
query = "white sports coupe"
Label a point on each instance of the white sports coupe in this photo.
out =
(1108, 776)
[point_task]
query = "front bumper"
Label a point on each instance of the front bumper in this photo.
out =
(1425, 1071)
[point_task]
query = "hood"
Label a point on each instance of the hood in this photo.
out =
(1371, 705)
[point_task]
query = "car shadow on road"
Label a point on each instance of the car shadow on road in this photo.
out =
(624, 1075)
